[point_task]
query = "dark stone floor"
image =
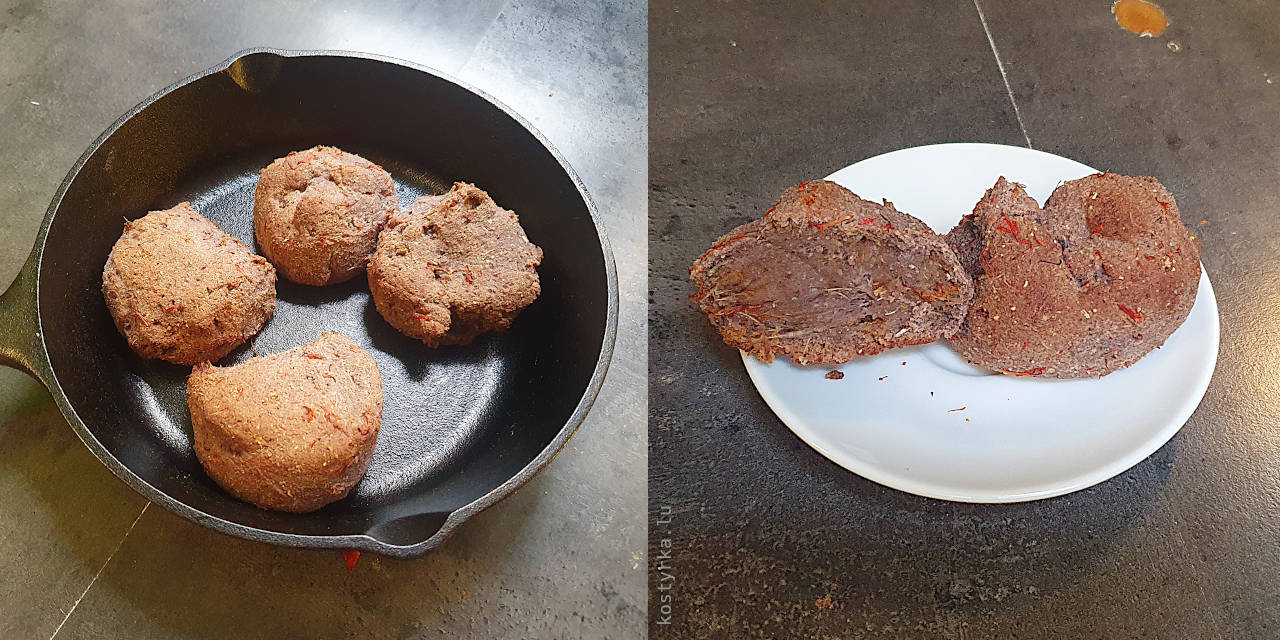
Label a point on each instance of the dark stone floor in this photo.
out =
(749, 98)
(85, 557)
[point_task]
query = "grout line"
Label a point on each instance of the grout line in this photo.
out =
(100, 570)
(1017, 114)
(471, 54)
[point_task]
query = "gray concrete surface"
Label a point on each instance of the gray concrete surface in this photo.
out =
(751, 98)
(563, 558)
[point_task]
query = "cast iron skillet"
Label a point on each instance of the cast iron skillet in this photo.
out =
(462, 427)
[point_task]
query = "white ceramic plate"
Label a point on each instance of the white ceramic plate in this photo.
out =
(1017, 438)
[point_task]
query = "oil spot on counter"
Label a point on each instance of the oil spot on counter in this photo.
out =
(1141, 17)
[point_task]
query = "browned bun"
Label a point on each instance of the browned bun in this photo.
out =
(292, 431)
(181, 290)
(317, 214)
(452, 267)
(825, 277)
(1088, 285)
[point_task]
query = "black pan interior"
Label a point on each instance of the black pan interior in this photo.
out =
(457, 421)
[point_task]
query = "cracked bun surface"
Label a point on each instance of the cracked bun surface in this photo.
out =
(1089, 284)
(291, 431)
(317, 214)
(452, 267)
(181, 290)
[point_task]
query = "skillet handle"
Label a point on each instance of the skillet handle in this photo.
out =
(20, 344)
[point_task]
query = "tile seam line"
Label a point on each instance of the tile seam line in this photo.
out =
(471, 54)
(100, 570)
(1003, 75)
